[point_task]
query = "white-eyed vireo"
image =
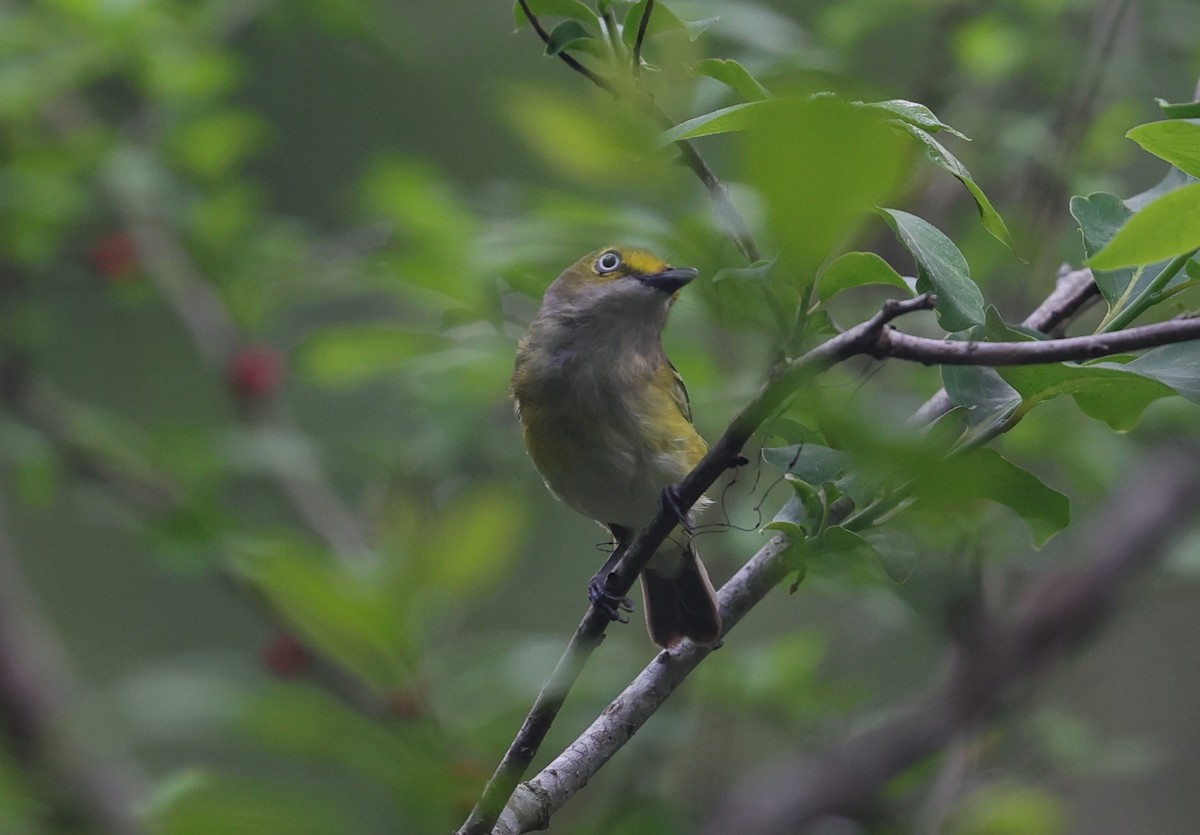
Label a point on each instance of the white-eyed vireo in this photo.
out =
(608, 424)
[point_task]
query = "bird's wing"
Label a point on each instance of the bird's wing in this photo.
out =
(679, 393)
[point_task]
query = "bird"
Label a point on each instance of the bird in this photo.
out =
(607, 422)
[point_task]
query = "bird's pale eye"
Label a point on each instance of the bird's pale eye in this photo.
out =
(608, 262)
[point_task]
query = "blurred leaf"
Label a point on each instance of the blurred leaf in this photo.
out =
(984, 474)
(1107, 392)
(569, 34)
(661, 20)
(822, 166)
(732, 74)
(989, 47)
(19, 806)
(937, 153)
(356, 617)
(1165, 228)
(845, 557)
(1009, 810)
(942, 270)
(247, 806)
(354, 354)
(759, 273)
(211, 145)
(1181, 110)
(1175, 140)
(1100, 215)
(855, 269)
(473, 543)
(782, 675)
(591, 140)
(409, 757)
(574, 9)
(190, 74)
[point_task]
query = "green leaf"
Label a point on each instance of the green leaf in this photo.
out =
(984, 473)
(914, 113)
(1177, 366)
(987, 398)
(937, 153)
(566, 35)
(803, 514)
(813, 463)
(1165, 228)
(732, 74)
(737, 117)
(249, 804)
(821, 166)
(573, 9)
(1099, 216)
(472, 544)
(213, 144)
(1181, 110)
(354, 354)
(844, 556)
(759, 272)
(818, 465)
(855, 269)
(662, 19)
(942, 270)
(1001, 809)
(1106, 392)
(352, 616)
(1175, 140)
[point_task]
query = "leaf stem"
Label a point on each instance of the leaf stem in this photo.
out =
(1148, 297)
(641, 37)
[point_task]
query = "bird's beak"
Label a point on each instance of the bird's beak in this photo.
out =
(669, 280)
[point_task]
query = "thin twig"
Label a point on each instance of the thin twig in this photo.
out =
(566, 57)
(1058, 613)
(38, 701)
(641, 36)
(739, 230)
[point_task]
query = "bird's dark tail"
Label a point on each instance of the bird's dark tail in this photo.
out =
(681, 605)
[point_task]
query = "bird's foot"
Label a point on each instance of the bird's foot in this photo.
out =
(612, 605)
(669, 499)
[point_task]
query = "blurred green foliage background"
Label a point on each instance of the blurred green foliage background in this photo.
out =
(262, 271)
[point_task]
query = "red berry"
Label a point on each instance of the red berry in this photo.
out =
(255, 371)
(115, 257)
(284, 656)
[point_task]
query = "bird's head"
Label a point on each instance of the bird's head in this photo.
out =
(617, 281)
